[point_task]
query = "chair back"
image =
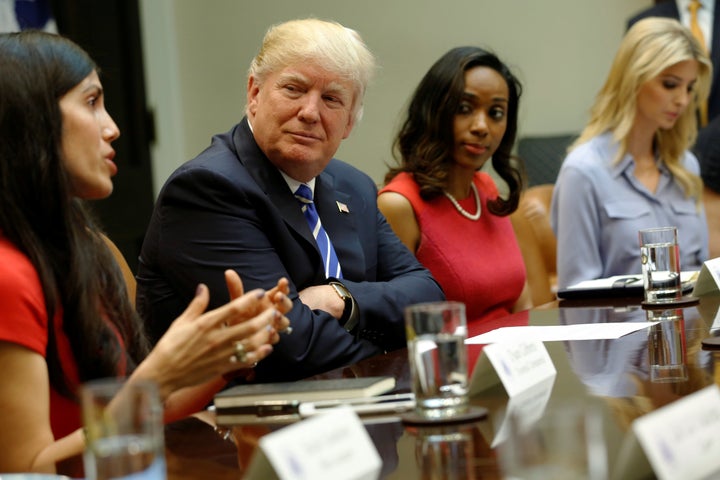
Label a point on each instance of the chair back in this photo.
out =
(531, 222)
(130, 281)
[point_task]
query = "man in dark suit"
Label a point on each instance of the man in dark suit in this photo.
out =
(233, 207)
(671, 9)
(707, 149)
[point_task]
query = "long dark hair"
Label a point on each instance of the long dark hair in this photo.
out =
(424, 144)
(39, 215)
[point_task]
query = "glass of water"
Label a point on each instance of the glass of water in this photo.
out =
(660, 258)
(123, 425)
(436, 334)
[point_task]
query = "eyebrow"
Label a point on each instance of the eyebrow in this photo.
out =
(93, 86)
(494, 99)
(675, 77)
(332, 87)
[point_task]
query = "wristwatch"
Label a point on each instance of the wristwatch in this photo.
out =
(350, 315)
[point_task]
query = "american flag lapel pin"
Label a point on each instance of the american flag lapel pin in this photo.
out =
(342, 207)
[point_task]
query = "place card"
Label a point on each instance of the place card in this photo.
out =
(519, 366)
(708, 279)
(681, 439)
(556, 333)
(329, 446)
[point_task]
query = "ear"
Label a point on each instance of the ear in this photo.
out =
(253, 90)
(350, 124)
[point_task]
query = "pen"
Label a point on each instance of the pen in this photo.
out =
(397, 403)
(624, 282)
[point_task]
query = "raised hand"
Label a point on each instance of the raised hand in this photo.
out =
(200, 346)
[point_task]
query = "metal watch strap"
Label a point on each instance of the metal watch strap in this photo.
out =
(350, 316)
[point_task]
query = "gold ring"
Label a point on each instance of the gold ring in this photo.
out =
(240, 352)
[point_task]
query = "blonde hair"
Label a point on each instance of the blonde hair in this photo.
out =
(649, 47)
(333, 47)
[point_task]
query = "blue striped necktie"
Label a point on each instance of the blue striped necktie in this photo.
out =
(330, 260)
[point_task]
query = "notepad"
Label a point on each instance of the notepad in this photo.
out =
(303, 391)
(619, 286)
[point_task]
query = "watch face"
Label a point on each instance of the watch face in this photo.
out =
(341, 290)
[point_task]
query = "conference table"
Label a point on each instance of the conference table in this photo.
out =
(611, 375)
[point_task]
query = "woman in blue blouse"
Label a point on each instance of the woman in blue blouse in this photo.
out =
(630, 168)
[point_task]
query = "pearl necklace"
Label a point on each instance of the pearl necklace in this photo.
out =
(464, 212)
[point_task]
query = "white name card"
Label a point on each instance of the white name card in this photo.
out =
(681, 439)
(520, 365)
(708, 279)
(330, 446)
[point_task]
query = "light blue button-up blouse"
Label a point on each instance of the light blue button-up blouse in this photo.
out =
(598, 208)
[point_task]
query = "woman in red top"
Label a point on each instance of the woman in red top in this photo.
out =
(463, 113)
(65, 314)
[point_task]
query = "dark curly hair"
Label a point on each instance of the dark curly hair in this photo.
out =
(424, 144)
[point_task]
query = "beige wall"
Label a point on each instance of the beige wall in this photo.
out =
(197, 53)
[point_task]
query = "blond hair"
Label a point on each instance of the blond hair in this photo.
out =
(649, 47)
(333, 47)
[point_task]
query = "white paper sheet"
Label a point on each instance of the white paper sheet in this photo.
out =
(553, 333)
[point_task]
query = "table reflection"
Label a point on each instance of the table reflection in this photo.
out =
(614, 374)
(632, 373)
(667, 347)
(447, 453)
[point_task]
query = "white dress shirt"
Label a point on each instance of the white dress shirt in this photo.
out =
(705, 17)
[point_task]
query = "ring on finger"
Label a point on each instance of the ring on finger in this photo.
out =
(240, 353)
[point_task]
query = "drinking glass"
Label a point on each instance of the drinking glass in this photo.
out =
(123, 425)
(436, 335)
(660, 258)
(667, 351)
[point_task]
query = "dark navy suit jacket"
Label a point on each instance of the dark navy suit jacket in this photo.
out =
(670, 10)
(230, 208)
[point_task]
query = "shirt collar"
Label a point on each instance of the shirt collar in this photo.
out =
(294, 184)
(707, 5)
(626, 163)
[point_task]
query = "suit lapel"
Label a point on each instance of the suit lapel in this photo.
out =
(715, 48)
(271, 182)
(340, 225)
(338, 215)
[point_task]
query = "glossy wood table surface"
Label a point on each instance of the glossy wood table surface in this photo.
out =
(612, 374)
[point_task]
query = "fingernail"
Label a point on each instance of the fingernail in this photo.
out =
(260, 294)
(199, 289)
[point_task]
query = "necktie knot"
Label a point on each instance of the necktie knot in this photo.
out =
(304, 194)
(693, 6)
